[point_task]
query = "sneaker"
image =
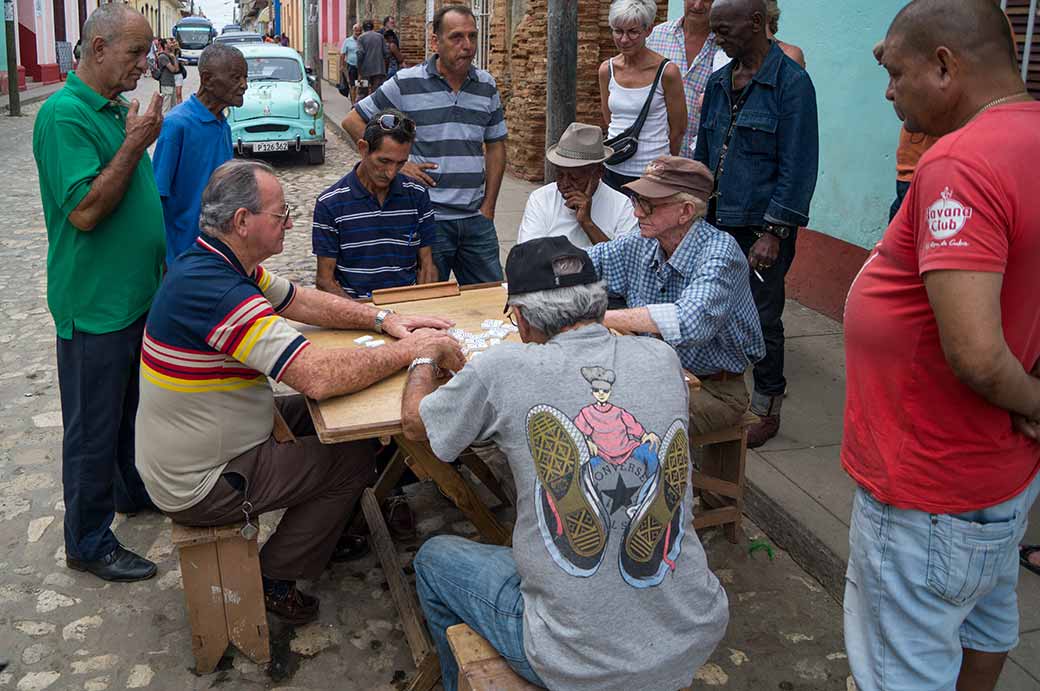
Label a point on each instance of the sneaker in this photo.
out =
(571, 517)
(762, 431)
(292, 605)
(653, 537)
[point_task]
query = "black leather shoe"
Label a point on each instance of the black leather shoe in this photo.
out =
(120, 565)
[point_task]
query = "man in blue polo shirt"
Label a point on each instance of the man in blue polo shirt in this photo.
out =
(374, 228)
(195, 141)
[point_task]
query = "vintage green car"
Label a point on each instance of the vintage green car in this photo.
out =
(281, 111)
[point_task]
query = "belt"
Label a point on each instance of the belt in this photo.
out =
(721, 376)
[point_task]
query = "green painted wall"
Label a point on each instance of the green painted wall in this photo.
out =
(858, 129)
(3, 44)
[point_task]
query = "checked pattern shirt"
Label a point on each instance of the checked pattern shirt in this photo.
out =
(700, 297)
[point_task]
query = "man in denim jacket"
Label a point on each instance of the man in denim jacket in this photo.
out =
(759, 135)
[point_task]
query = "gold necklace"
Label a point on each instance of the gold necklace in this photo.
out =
(993, 104)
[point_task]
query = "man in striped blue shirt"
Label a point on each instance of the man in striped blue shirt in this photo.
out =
(459, 151)
(373, 228)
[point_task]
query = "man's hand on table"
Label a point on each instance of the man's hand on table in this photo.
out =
(438, 346)
(400, 326)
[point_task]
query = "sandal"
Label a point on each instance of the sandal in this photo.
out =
(1024, 552)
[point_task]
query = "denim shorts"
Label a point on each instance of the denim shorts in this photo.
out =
(920, 587)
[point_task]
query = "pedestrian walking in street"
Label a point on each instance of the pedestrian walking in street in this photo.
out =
(168, 69)
(182, 72)
(104, 263)
(374, 228)
(760, 136)
(641, 96)
(395, 60)
(689, 43)
(372, 55)
(349, 61)
(942, 342)
(460, 149)
(773, 26)
(195, 141)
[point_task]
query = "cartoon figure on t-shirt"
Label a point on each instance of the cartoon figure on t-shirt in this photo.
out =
(576, 462)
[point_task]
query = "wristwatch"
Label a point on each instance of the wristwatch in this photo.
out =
(778, 231)
(380, 318)
(425, 361)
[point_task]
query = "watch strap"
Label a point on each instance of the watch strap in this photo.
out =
(425, 361)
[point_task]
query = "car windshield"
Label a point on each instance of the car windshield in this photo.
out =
(274, 70)
(240, 39)
(193, 37)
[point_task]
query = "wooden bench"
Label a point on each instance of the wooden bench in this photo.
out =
(481, 668)
(720, 481)
(225, 595)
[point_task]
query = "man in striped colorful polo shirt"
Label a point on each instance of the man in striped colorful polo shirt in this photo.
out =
(217, 332)
(374, 227)
(459, 151)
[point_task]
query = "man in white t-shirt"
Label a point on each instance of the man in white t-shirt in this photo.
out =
(577, 206)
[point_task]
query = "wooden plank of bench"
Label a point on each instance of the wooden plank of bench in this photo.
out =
(480, 469)
(200, 574)
(714, 484)
(481, 667)
(705, 519)
(720, 436)
(244, 598)
(404, 597)
(425, 291)
(427, 675)
(469, 647)
(185, 536)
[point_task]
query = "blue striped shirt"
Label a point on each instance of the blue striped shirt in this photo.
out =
(375, 246)
(700, 297)
(451, 130)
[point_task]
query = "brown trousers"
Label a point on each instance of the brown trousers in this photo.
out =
(718, 404)
(317, 483)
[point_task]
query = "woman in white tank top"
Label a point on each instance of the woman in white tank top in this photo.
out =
(624, 84)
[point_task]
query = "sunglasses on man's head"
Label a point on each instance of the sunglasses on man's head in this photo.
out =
(391, 122)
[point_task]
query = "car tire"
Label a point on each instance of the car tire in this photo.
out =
(316, 154)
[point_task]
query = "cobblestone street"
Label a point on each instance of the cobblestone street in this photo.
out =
(65, 630)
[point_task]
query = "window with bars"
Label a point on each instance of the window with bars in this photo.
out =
(1025, 20)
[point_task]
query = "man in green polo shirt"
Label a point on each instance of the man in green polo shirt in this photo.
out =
(106, 244)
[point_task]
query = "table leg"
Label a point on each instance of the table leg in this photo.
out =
(423, 462)
(472, 460)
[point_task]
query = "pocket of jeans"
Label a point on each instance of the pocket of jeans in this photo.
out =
(964, 557)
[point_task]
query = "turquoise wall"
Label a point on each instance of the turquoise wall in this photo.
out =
(3, 44)
(858, 129)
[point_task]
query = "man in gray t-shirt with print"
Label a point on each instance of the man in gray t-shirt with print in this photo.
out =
(606, 585)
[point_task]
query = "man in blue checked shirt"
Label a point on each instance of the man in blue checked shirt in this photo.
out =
(687, 282)
(374, 228)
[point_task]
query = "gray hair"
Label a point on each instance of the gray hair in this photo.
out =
(629, 11)
(552, 311)
(218, 55)
(106, 22)
(232, 186)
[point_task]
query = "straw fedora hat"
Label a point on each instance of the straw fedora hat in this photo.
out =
(580, 145)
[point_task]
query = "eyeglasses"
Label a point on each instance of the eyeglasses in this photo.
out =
(284, 215)
(630, 34)
(648, 206)
(391, 122)
(512, 318)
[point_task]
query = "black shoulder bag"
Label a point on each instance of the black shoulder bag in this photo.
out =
(626, 143)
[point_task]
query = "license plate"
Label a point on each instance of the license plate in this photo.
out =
(270, 146)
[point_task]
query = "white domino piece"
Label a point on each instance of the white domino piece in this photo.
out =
(362, 339)
(374, 344)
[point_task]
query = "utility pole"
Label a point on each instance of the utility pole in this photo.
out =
(561, 72)
(12, 61)
(312, 47)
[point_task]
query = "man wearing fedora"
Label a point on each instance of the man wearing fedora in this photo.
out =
(577, 206)
(686, 281)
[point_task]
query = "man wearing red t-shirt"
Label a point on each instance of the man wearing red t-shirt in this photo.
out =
(942, 332)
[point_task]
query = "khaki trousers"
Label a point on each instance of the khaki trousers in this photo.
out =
(718, 404)
(317, 483)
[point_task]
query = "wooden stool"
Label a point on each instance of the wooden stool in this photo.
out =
(720, 481)
(481, 668)
(225, 595)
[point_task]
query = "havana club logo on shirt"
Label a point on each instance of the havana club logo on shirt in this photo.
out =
(947, 216)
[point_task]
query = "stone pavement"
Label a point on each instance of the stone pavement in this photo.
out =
(65, 630)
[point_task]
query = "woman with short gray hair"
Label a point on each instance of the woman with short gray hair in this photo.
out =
(625, 85)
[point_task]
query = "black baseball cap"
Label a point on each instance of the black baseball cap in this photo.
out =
(529, 266)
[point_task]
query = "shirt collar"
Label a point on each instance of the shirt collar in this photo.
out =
(358, 190)
(685, 255)
(217, 246)
(85, 93)
(770, 69)
(583, 334)
(202, 112)
(431, 68)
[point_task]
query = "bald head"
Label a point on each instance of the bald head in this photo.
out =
(219, 56)
(740, 28)
(977, 31)
(741, 8)
(108, 22)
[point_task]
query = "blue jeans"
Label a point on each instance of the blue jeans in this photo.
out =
(921, 587)
(461, 581)
(98, 382)
(642, 453)
(469, 247)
